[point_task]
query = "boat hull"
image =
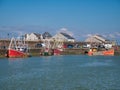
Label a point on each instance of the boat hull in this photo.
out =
(105, 52)
(16, 54)
(109, 52)
(57, 52)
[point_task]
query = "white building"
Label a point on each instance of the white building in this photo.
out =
(63, 37)
(33, 37)
(97, 39)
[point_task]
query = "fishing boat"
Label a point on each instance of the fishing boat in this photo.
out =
(105, 52)
(17, 49)
(57, 47)
(57, 51)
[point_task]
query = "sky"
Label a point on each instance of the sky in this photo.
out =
(81, 18)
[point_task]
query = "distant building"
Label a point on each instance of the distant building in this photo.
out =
(97, 39)
(46, 35)
(63, 37)
(33, 37)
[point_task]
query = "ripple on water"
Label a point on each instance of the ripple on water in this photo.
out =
(96, 64)
(61, 73)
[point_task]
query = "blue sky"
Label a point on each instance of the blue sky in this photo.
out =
(80, 17)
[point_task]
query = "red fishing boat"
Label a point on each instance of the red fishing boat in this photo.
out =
(17, 49)
(57, 52)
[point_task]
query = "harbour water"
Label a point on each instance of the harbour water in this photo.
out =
(70, 72)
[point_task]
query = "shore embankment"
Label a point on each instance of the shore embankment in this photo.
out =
(73, 48)
(73, 51)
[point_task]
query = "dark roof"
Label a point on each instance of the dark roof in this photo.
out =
(67, 35)
(25, 35)
(103, 37)
(46, 35)
(37, 34)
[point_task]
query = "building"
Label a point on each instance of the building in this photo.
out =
(63, 37)
(97, 39)
(46, 35)
(33, 37)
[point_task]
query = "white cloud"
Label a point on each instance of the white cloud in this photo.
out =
(89, 35)
(86, 35)
(12, 31)
(117, 33)
(20, 30)
(105, 35)
(111, 36)
(65, 30)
